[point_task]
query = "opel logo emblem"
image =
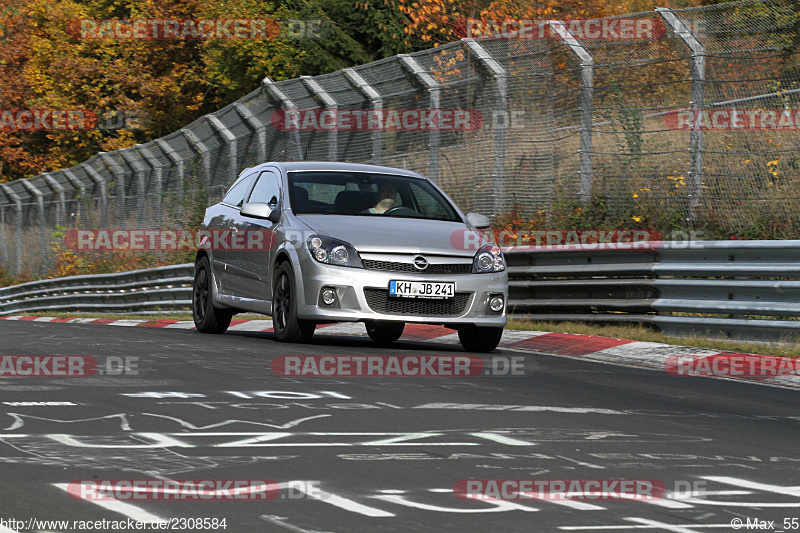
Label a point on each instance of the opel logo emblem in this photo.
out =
(420, 263)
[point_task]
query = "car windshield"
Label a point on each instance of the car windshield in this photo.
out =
(367, 194)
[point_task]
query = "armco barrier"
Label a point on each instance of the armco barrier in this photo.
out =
(164, 288)
(747, 290)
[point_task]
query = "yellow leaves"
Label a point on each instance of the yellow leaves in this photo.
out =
(680, 181)
(637, 218)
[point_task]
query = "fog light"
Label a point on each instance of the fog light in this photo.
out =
(328, 296)
(496, 303)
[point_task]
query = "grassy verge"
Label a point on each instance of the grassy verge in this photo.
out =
(621, 331)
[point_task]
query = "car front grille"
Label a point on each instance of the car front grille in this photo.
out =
(395, 266)
(380, 302)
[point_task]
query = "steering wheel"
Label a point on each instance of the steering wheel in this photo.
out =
(395, 208)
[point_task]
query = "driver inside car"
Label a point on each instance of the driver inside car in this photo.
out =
(385, 199)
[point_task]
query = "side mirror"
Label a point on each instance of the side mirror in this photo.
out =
(478, 221)
(260, 210)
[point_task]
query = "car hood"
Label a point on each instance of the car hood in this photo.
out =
(377, 234)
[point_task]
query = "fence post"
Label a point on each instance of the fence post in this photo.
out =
(329, 103)
(586, 106)
(259, 127)
(287, 104)
(230, 139)
(698, 73)
(434, 93)
(119, 175)
(42, 220)
(377, 105)
(158, 177)
(14, 197)
(500, 76)
(101, 182)
(178, 162)
(61, 212)
(138, 172)
(205, 154)
(78, 184)
(3, 247)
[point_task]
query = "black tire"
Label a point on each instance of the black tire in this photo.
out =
(207, 318)
(287, 327)
(384, 332)
(478, 339)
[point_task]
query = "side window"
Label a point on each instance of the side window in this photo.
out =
(267, 189)
(237, 193)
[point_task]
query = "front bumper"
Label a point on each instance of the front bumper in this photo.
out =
(362, 294)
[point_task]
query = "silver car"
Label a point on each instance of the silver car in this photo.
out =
(311, 243)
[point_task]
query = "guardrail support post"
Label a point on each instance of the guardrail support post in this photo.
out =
(286, 102)
(377, 105)
(259, 127)
(230, 139)
(42, 220)
(698, 73)
(205, 154)
(14, 197)
(586, 106)
(500, 76)
(434, 94)
(329, 103)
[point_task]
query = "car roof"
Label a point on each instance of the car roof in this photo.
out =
(289, 166)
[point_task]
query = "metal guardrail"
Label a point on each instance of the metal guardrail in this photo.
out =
(163, 288)
(748, 290)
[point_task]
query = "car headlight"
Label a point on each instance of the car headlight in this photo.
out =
(333, 251)
(488, 259)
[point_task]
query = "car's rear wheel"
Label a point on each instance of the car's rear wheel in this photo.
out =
(384, 332)
(479, 339)
(287, 327)
(207, 317)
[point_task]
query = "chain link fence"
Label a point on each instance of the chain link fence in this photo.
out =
(667, 125)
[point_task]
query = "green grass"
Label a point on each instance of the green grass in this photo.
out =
(619, 331)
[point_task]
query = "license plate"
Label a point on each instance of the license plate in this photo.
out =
(422, 289)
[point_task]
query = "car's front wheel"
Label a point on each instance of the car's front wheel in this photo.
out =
(479, 339)
(384, 332)
(287, 327)
(207, 318)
